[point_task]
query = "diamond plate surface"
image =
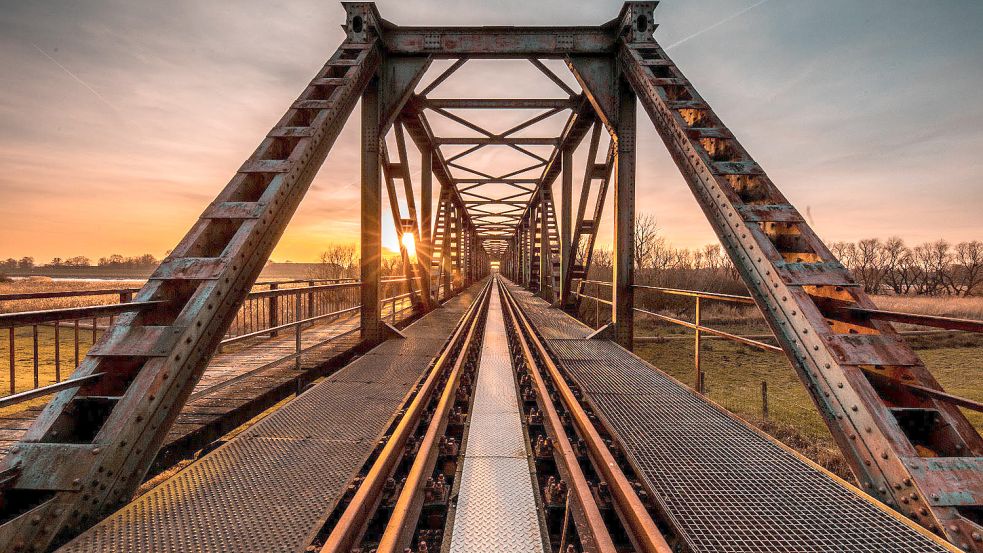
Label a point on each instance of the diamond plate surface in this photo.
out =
(496, 510)
(496, 435)
(271, 488)
(496, 507)
(725, 487)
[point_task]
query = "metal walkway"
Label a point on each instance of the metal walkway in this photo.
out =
(272, 487)
(496, 508)
(723, 485)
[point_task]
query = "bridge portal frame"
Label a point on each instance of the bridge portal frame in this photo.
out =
(71, 470)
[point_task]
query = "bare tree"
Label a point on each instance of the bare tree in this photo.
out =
(868, 264)
(898, 265)
(646, 239)
(933, 261)
(969, 256)
(337, 261)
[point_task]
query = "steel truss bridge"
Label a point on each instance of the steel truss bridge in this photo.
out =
(497, 421)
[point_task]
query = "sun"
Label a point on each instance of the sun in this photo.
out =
(409, 242)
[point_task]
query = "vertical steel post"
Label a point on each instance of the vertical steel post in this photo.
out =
(371, 239)
(622, 299)
(566, 219)
(272, 310)
(696, 348)
(426, 219)
(544, 246)
(297, 330)
(764, 399)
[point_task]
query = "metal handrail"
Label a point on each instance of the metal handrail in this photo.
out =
(49, 389)
(67, 294)
(267, 331)
(27, 318)
(697, 294)
(721, 333)
(301, 290)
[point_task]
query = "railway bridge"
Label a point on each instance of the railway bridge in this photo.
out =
(461, 405)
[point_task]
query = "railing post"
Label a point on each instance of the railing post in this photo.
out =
(297, 326)
(35, 330)
(696, 349)
(764, 399)
(125, 297)
(13, 361)
(310, 299)
(272, 306)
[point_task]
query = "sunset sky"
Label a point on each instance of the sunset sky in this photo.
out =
(120, 120)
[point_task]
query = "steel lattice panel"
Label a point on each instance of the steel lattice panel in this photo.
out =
(726, 487)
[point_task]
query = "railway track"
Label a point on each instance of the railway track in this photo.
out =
(419, 491)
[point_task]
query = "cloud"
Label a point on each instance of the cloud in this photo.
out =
(854, 108)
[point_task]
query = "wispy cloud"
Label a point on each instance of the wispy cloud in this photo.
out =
(727, 19)
(76, 77)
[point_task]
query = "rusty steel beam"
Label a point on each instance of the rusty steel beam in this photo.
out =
(498, 42)
(500, 103)
(496, 140)
(71, 471)
(917, 453)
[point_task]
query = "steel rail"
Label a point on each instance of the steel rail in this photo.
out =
(400, 527)
(599, 539)
(356, 514)
(637, 518)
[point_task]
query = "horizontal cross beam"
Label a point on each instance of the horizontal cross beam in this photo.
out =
(501, 103)
(499, 42)
(493, 140)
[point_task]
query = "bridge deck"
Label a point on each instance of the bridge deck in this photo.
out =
(272, 487)
(724, 485)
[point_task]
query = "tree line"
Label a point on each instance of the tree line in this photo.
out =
(882, 266)
(115, 261)
(933, 268)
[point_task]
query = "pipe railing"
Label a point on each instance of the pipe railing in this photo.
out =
(697, 326)
(263, 315)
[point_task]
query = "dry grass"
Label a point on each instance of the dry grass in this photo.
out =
(942, 306)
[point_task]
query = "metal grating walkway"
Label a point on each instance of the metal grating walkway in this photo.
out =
(724, 485)
(271, 488)
(496, 507)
